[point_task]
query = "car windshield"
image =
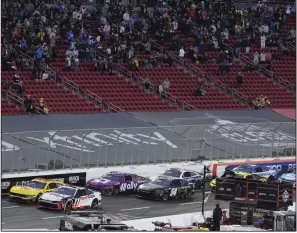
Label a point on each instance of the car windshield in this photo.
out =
(243, 169)
(112, 177)
(162, 182)
(35, 184)
(172, 172)
(65, 191)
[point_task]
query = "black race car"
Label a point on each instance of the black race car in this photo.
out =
(164, 188)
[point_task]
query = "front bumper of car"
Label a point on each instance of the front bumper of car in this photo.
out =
(53, 205)
(22, 197)
(149, 194)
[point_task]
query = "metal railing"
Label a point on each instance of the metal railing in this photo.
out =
(114, 108)
(86, 148)
(13, 98)
(283, 83)
(152, 87)
(218, 85)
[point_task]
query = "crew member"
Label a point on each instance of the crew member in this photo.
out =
(217, 217)
(270, 179)
(229, 173)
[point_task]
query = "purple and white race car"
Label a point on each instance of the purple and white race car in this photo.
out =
(113, 183)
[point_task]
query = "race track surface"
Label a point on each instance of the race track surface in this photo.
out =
(121, 207)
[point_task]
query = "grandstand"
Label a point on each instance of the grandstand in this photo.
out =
(90, 91)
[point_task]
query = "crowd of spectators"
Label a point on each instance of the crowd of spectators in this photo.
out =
(122, 34)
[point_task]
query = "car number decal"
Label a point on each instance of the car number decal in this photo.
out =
(173, 192)
(69, 226)
(76, 202)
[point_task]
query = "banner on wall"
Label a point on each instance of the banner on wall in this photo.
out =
(77, 179)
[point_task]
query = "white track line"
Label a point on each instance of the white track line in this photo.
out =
(52, 217)
(139, 208)
(10, 207)
(191, 203)
(127, 216)
(206, 199)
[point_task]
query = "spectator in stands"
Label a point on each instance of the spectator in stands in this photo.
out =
(161, 90)
(28, 105)
(146, 85)
(166, 85)
(263, 41)
(16, 78)
(256, 59)
(20, 89)
(70, 36)
(239, 78)
(268, 56)
(45, 75)
(76, 63)
(68, 63)
(43, 108)
(181, 55)
(262, 57)
(200, 90)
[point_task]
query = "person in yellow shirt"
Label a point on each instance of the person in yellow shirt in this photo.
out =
(40, 36)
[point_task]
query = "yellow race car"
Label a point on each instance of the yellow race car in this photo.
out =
(243, 175)
(30, 191)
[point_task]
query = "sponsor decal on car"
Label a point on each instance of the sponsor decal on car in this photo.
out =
(130, 186)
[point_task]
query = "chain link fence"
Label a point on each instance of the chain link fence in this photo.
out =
(51, 150)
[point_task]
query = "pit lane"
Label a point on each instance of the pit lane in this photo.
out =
(121, 207)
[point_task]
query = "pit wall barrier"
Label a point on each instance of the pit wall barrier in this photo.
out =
(80, 176)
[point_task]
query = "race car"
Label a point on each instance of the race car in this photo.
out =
(113, 183)
(239, 175)
(30, 191)
(260, 170)
(166, 187)
(289, 178)
(70, 198)
(191, 176)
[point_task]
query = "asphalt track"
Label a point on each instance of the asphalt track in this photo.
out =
(121, 207)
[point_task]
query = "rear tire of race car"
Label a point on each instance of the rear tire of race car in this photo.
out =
(94, 204)
(164, 197)
(115, 191)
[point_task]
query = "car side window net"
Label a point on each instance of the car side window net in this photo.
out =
(128, 178)
(187, 174)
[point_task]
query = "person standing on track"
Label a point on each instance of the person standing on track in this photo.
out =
(217, 217)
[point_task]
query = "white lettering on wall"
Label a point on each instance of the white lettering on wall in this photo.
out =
(159, 138)
(79, 143)
(8, 147)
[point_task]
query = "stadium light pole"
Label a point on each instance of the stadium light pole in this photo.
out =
(203, 190)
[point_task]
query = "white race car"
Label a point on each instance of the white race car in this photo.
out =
(70, 198)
